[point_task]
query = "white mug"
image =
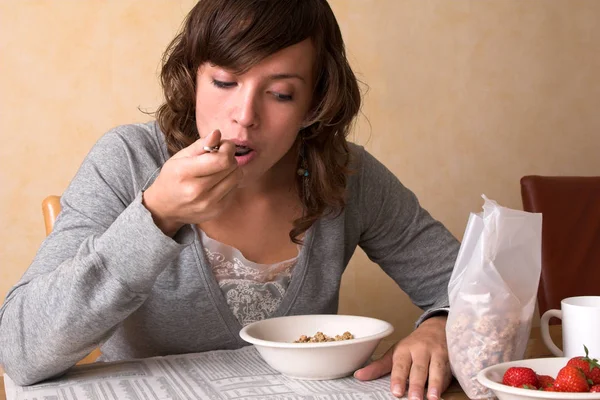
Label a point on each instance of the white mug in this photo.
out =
(580, 326)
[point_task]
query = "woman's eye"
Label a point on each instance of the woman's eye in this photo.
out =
(223, 85)
(282, 97)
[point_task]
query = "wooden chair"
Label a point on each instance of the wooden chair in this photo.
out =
(570, 208)
(50, 210)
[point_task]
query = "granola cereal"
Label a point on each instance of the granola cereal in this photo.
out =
(478, 341)
(321, 337)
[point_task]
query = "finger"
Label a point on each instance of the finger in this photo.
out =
(207, 184)
(209, 163)
(375, 369)
(213, 139)
(219, 197)
(227, 147)
(197, 148)
(226, 185)
(439, 376)
(418, 375)
(402, 362)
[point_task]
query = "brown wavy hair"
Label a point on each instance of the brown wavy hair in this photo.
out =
(238, 34)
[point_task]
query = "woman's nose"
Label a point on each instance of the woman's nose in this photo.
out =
(246, 113)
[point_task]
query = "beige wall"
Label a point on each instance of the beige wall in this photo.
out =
(464, 98)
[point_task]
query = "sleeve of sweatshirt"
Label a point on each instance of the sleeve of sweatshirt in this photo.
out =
(413, 248)
(96, 267)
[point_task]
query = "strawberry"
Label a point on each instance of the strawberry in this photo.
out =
(571, 379)
(519, 376)
(545, 381)
(528, 387)
(589, 366)
(550, 388)
(595, 389)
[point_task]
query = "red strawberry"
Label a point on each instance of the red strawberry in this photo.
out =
(571, 379)
(528, 387)
(545, 381)
(550, 388)
(519, 376)
(589, 366)
(595, 389)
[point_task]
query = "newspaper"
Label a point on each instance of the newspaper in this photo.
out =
(215, 375)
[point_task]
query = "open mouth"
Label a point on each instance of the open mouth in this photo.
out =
(242, 150)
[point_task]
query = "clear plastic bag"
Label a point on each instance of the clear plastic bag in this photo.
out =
(492, 292)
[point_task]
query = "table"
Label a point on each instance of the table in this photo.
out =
(535, 349)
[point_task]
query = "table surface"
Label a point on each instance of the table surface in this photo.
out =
(535, 349)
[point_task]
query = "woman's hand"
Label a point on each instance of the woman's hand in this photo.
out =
(420, 355)
(194, 185)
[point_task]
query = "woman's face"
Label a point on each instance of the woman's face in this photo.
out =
(262, 110)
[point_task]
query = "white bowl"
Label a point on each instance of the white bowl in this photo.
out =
(274, 339)
(491, 377)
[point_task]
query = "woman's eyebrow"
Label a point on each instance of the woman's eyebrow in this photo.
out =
(286, 76)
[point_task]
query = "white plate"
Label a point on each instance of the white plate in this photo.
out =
(491, 377)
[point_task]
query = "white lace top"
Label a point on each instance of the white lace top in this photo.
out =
(253, 291)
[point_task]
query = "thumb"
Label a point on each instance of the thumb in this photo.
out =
(375, 369)
(197, 148)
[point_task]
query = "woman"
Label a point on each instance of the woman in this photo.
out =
(242, 201)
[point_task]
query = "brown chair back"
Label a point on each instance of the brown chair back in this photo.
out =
(570, 208)
(50, 210)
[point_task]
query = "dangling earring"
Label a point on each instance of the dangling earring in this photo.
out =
(304, 174)
(303, 170)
